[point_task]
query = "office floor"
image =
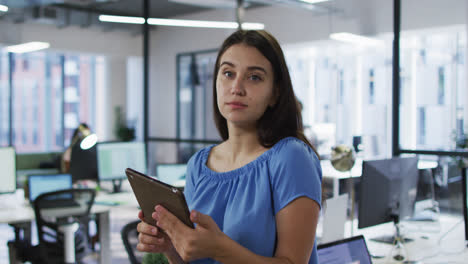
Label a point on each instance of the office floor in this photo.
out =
(118, 218)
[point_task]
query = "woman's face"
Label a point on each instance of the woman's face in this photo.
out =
(244, 85)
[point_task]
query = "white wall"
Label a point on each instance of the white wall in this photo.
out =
(116, 46)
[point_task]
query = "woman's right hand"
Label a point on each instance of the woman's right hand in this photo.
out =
(152, 239)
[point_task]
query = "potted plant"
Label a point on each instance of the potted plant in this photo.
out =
(154, 258)
(122, 131)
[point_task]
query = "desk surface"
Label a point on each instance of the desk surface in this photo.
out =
(15, 209)
(329, 172)
(434, 242)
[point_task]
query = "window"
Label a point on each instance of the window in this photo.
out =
(371, 87)
(52, 94)
(346, 90)
(441, 90)
(79, 93)
(194, 101)
(343, 88)
(422, 126)
(434, 87)
(4, 99)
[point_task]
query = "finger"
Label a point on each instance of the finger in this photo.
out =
(151, 240)
(201, 219)
(140, 215)
(145, 228)
(146, 248)
(166, 221)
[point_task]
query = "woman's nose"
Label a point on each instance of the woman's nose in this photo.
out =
(237, 87)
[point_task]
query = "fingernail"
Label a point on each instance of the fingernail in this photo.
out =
(154, 231)
(155, 215)
(158, 209)
(195, 215)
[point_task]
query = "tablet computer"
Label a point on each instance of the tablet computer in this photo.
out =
(150, 192)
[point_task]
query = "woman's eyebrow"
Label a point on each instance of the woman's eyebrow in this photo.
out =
(258, 68)
(227, 63)
(250, 68)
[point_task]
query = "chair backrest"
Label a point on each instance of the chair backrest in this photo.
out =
(130, 240)
(54, 208)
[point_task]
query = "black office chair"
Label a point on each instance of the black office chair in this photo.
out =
(130, 240)
(57, 213)
(129, 235)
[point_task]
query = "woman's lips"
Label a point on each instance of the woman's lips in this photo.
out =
(237, 105)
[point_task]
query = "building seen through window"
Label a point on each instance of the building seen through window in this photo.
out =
(51, 93)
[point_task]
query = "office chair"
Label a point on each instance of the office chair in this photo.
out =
(129, 235)
(61, 219)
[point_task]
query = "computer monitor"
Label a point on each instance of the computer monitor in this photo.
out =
(7, 170)
(39, 184)
(173, 174)
(83, 163)
(114, 157)
(465, 200)
(387, 191)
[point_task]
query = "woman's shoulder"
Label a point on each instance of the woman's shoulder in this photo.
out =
(292, 151)
(293, 156)
(291, 146)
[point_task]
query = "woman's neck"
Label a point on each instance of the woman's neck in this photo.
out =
(243, 143)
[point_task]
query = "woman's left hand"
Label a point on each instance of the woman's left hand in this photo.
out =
(191, 244)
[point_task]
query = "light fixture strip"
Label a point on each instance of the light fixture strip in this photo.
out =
(179, 22)
(28, 47)
(191, 23)
(355, 39)
(314, 1)
(122, 19)
(3, 8)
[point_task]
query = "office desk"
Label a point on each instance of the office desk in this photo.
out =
(23, 213)
(333, 176)
(425, 248)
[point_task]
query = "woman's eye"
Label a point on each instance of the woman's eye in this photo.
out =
(255, 77)
(228, 74)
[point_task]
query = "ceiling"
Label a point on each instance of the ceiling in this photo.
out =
(84, 13)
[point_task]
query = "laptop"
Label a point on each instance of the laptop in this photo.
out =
(39, 184)
(346, 251)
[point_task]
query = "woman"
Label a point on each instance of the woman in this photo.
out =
(255, 198)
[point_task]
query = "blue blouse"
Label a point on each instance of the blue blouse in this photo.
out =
(244, 202)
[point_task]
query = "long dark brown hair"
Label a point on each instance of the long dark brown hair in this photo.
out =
(282, 120)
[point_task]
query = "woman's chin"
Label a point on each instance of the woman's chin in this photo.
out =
(241, 123)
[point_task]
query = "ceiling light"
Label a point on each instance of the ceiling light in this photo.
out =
(253, 26)
(356, 39)
(28, 47)
(179, 22)
(202, 23)
(3, 8)
(314, 1)
(191, 23)
(122, 19)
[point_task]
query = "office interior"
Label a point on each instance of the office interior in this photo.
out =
(156, 81)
